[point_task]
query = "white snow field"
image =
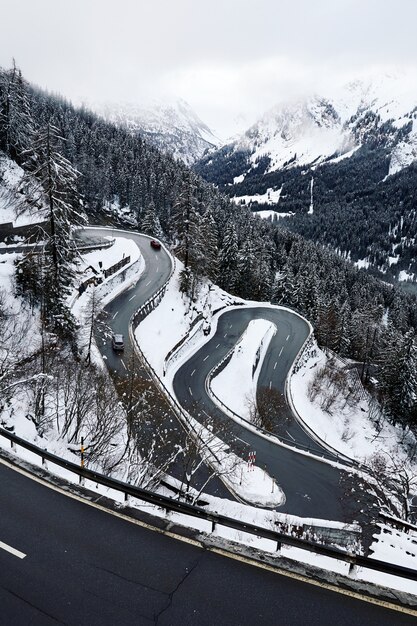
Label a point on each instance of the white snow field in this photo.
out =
(237, 375)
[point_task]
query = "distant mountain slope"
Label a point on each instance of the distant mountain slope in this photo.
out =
(317, 129)
(343, 166)
(173, 128)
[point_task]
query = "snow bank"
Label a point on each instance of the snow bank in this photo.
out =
(109, 288)
(170, 322)
(272, 215)
(346, 426)
(248, 482)
(395, 546)
(235, 385)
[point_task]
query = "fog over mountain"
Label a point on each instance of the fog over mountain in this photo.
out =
(338, 168)
(173, 127)
(311, 129)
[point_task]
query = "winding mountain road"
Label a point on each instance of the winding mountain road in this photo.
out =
(312, 488)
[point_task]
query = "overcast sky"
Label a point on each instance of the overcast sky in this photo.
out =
(227, 58)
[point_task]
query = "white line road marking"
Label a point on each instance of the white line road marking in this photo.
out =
(157, 268)
(225, 335)
(287, 338)
(242, 440)
(133, 297)
(4, 546)
(280, 352)
(205, 413)
(218, 345)
(148, 283)
(189, 389)
(115, 314)
(275, 364)
(192, 372)
(289, 435)
(123, 363)
(205, 359)
(270, 384)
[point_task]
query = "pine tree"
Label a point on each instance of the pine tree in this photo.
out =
(247, 270)
(16, 123)
(150, 224)
(57, 190)
(228, 257)
(208, 234)
(290, 288)
(400, 378)
(186, 224)
(189, 245)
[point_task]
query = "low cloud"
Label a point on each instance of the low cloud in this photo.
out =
(230, 60)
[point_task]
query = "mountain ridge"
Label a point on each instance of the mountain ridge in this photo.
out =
(310, 130)
(340, 172)
(173, 127)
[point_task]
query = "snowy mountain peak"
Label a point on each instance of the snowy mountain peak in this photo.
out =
(296, 132)
(173, 127)
(312, 130)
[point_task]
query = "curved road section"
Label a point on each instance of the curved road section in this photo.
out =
(121, 309)
(312, 488)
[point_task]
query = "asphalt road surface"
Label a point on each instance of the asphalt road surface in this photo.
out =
(120, 310)
(312, 488)
(83, 566)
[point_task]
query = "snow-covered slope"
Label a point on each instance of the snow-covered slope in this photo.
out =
(299, 133)
(321, 127)
(13, 209)
(172, 127)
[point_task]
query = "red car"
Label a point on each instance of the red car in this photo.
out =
(155, 244)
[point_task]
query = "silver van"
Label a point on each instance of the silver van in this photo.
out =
(117, 342)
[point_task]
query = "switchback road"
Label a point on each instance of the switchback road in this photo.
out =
(312, 488)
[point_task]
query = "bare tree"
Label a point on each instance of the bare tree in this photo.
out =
(94, 321)
(393, 480)
(18, 356)
(104, 424)
(268, 410)
(205, 447)
(150, 450)
(331, 384)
